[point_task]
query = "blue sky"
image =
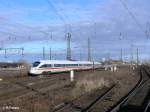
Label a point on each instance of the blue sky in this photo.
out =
(32, 22)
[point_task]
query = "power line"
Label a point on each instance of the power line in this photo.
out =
(9, 49)
(43, 32)
(56, 11)
(50, 3)
(27, 27)
(132, 15)
(11, 34)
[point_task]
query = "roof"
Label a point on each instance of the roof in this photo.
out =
(67, 62)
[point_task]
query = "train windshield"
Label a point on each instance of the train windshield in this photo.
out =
(35, 64)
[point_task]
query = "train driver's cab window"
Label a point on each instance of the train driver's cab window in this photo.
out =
(35, 64)
(45, 65)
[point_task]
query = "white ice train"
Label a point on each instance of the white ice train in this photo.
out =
(57, 66)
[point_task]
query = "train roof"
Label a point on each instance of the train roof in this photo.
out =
(67, 62)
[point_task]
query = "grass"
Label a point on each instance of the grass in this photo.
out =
(86, 81)
(89, 84)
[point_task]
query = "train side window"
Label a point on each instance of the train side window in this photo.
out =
(74, 64)
(49, 65)
(57, 65)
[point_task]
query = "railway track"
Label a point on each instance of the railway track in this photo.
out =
(72, 105)
(140, 84)
(30, 86)
(88, 99)
(27, 85)
(86, 104)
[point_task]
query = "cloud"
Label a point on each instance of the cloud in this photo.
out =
(101, 20)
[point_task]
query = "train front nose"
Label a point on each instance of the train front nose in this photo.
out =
(33, 71)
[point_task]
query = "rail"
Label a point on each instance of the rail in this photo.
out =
(122, 102)
(64, 104)
(97, 99)
(132, 92)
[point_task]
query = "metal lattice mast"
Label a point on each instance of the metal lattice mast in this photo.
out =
(68, 47)
(5, 53)
(137, 56)
(50, 53)
(22, 49)
(132, 58)
(80, 56)
(89, 50)
(43, 53)
(121, 56)
(6, 50)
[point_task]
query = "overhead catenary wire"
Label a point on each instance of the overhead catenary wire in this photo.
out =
(137, 23)
(49, 2)
(23, 25)
(10, 49)
(62, 16)
(15, 36)
(27, 27)
(132, 15)
(68, 28)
